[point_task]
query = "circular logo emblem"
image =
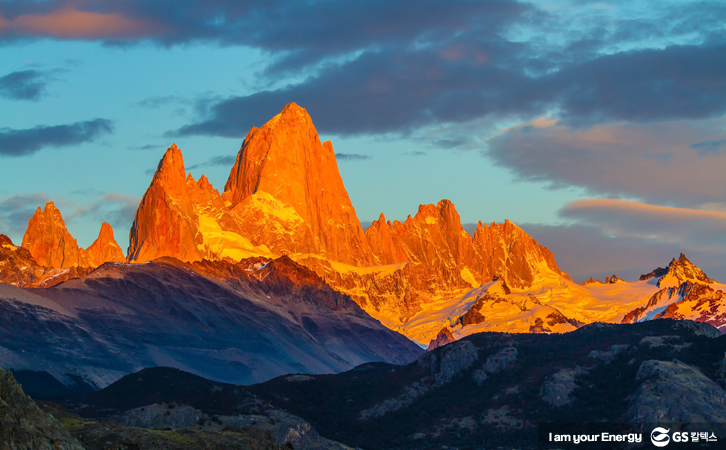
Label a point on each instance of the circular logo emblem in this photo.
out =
(659, 437)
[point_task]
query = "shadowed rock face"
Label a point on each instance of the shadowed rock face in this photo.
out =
(236, 323)
(501, 386)
(678, 392)
(24, 426)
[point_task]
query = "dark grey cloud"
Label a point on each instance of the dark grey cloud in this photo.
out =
(645, 85)
(225, 161)
(710, 147)
(351, 157)
(302, 32)
(397, 91)
(147, 147)
(28, 141)
(415, 153)
(23, 85)
(656, 161)
(584, 250)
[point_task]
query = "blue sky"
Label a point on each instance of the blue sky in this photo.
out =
(538, 112)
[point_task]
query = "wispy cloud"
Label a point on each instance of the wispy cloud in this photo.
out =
(23, 85)
(710, 147)
(225, 160)
(654, 162)
(25, 142)
(351, 157)
(695, 228)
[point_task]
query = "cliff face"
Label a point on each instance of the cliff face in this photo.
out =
(285, 164)
(51, 245)
(49, 241)
(166, 223)
(104, 248)
(24, 426)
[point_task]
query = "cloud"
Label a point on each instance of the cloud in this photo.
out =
(676, 82)
(225, 160)
(23, 85)
(158, 101)
(710, 147)
(67, 22)
(584, 250)
(374, 67)
(25, 142)
(401, 90)
(655, 162)
(147, 147)
(301, 28)
(415, 153)
(351, 157)
(15, 211)
(115, 208)
(695, 228)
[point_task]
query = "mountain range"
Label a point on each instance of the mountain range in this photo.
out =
(275, 274)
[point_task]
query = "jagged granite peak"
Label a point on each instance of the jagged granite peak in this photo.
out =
(166, 223)
(510, 252)
(677, 271)
(104, 248)
(49, 241)
(285, 159)
(434, 236)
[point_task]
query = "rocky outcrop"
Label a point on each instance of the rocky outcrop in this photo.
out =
(678, 271)
(609, 354)
(692, 300)
(699, 302)
(104, 248)
(53, 247)
(445, 364)
(509, 252)
(557, 389)
(49, 241)
(444, 337)
(501, 360)
(24, 426)
(19, 268)
(286, 160)
(675, 392)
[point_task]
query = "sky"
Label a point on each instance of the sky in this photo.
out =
(598, 127)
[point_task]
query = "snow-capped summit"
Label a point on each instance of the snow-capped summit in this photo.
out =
(678, 271)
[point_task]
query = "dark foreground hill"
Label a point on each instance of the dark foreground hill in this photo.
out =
(488, 390)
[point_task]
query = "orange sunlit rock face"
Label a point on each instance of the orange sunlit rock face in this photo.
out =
(165, 223)
(104, 248)
(285, 159)
(49, 241)
(285, 195)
